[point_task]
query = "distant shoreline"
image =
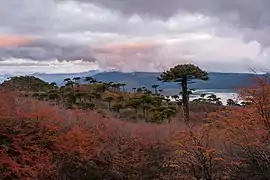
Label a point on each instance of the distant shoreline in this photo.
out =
(223, 94)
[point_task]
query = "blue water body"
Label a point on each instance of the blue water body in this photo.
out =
(223, 94)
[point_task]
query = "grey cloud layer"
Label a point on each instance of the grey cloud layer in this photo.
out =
(178, 29)
(67, 30)
(44, 50)
(251, 13)
(42, 23)
(26, 16)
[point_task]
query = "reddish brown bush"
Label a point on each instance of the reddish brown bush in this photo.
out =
(43, 142)
(245, 132)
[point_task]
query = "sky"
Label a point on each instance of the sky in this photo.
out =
(67, 36)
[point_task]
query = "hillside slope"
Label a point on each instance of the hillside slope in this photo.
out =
(24, 83)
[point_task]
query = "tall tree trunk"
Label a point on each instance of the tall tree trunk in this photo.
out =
(109, 103)
(146, 114)
(185, 99)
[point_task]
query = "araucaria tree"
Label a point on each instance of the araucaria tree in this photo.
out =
(184, 74)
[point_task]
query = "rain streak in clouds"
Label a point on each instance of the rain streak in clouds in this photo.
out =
(59, 36)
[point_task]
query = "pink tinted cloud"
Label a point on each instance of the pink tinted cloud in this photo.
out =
(125, 48)
(128, 56)
(9, 40)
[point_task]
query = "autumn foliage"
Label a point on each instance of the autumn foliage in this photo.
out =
(40, 141)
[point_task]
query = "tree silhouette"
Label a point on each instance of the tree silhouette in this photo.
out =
(147, 91)
(155, 86)
(43, 96)
(160, 90)
(53, 85)
(202, 95)
(214, 99)
(77, 79)
(101, 87)
(169, 113)
(147, 100)
(116, 86)
(81, 96)
(231, 102)
(67, 79)
(94, 81)
(175, 97)
(134, 103)
(139, 89)
(117, 107)
(183, 74)
(69, 83)
(123, 86)
(71, 98)
(88, 79)
(109, 99)
(54, 96)
(157, 100)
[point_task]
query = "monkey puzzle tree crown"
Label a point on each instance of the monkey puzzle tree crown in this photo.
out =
(188, 71)
(184, 73)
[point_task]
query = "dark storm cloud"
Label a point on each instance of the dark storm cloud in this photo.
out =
(244, 14)
(46, 50)
(248, 13)
(251, 12)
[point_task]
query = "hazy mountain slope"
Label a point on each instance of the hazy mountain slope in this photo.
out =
(58, 78)
(216, 81)
(138, 79)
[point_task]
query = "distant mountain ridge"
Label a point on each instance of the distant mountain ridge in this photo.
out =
(58, 78)
(138, 79)
(217, 80)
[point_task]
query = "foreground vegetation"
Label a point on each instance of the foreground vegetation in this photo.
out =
(82, 132)
(112, 99)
